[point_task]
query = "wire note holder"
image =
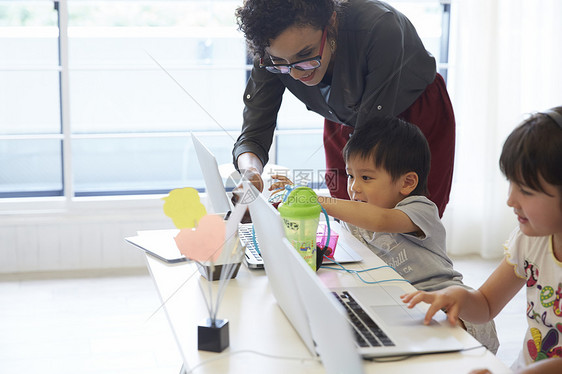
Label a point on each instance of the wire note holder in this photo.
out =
(213, 333)
(213, 244)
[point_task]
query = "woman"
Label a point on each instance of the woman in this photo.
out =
(349, 62)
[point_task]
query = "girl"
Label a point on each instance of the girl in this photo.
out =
(531, 160)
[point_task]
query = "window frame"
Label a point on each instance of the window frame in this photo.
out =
(69, 199)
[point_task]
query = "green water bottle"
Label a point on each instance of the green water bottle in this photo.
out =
(301, 215)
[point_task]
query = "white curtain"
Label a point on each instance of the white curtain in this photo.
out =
(505, 62)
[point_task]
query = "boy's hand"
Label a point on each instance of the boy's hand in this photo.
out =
(283, 181)
(449, 299)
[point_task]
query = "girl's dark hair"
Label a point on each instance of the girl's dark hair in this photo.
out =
(264, 20)
(394, 145)
(534, 150)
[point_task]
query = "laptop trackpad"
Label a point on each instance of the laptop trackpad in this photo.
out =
(396, 315)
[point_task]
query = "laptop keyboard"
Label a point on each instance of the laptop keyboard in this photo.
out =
(246, 236)
(367, 332)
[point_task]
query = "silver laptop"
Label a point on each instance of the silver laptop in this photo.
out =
(282, 286)
(383, 326)
(334, 339)
(221, 204)
(336, 346)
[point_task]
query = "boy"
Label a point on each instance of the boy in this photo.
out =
(387, 167)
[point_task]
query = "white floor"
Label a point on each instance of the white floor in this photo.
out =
(99, 323)
(109, 322)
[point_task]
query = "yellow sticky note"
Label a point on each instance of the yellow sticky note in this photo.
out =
(183, 206)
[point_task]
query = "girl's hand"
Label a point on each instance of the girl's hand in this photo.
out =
(449, 299)
(283, 181)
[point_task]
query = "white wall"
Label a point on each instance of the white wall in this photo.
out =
(75, 239)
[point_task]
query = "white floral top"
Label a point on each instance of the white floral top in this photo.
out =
(534, 260)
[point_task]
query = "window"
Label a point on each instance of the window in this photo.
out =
(140, 76)
(99, 97)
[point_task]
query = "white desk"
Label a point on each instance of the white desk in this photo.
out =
(257, 324)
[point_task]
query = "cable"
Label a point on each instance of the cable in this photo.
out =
(276, 196)
(357, 272)
(402, 358)
(286, 192)
(254, 241)
(373, 359)
(473, 348)
(226, 355)
(328, 235)
(288, 189)
(388, 359)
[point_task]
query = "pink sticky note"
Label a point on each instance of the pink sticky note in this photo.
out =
(205, 242)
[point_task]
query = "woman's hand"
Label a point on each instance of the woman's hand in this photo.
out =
(254, 177)
(250, 168)
(449, 299)
(251, 175)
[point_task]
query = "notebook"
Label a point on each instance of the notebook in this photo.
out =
(159, 244)
(221, 204)
(402, 331)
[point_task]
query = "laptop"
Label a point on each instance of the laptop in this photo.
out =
(389, 327)
(222, 204)
(282, 286)
(333, 338)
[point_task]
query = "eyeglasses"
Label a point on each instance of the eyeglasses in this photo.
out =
(303, 65)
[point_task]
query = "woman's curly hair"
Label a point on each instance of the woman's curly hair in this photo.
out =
(264, 20)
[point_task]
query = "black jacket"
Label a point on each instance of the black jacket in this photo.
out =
(380, 68)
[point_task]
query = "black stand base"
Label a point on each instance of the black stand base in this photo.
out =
(216, 274)
(213, 337)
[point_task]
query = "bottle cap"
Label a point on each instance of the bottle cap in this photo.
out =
(302, 202)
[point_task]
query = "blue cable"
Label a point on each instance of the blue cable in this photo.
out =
(357, 272)
(327, 225)
(288, 189)
(254, 240)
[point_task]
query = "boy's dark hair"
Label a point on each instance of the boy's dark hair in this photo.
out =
(534, 150)
(394, 145)
(264, 20)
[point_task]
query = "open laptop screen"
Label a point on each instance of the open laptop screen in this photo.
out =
(213, 180)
